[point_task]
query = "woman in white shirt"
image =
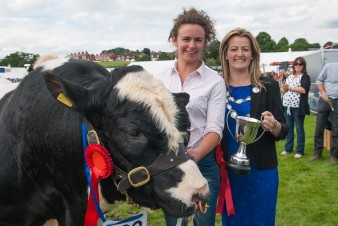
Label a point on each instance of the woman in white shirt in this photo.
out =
(191, 32)
(295, 102)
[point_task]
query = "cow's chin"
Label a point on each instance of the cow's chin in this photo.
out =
(179, 210)
(171, 207)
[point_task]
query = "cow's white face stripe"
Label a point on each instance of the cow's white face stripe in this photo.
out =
(141, 87)
(192, 181)
(54, 63)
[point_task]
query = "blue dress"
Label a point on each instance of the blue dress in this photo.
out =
(254, 196)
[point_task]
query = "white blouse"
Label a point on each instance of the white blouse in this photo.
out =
(206, 106)
(292, 99)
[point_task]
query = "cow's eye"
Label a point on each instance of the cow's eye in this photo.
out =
(134, 133)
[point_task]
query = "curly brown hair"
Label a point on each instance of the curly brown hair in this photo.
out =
(194, 16)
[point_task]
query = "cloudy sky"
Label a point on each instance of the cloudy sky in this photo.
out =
(67, 26)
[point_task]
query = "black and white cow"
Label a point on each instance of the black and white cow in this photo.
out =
(42, 174)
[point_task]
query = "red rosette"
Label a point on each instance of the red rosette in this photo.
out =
(98, 159)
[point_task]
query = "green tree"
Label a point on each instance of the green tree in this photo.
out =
(300, 44)
(166, 56)
(117, 51)
(282, 45)
(211, 53)
(314, 46)
(266, 44)
(144, 57)
(211, 62)
(146, 51)
(19, 59)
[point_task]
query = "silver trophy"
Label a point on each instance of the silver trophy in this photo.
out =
(246, 132)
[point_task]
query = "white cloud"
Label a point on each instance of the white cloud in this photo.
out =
(64, 27)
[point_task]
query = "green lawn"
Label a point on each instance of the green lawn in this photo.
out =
(114, 64)
(308, 191)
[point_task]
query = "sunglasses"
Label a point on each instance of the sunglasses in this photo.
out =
(298, 65)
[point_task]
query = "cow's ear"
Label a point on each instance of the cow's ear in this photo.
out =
(182, 98)
(67, 93)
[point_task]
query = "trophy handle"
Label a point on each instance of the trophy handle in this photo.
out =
(259, 136)
(262, 118)
(227, 122)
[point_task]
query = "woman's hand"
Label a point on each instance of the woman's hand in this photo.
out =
(194, 154)
(284, 88)
(269, 123)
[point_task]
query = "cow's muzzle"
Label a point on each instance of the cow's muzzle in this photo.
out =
(201, 202)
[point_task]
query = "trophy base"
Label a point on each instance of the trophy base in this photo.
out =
(238, 169)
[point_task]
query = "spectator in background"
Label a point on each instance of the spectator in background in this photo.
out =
(190, 34)
(289, 71)
(285, 75)
(30, 68)
(327, 82)
(296, 106)
(269, 74)
(281, 74)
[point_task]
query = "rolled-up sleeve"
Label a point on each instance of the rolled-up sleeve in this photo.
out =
(216, 109)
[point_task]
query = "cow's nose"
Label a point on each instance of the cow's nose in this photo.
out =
(203, 190)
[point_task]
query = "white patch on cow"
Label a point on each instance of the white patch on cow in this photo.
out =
(44, 58)
(142, 87)
(52, 64)
(192, 183)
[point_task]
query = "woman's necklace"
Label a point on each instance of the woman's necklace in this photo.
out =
(229, 98)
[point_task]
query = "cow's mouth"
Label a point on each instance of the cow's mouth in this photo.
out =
(202, 208)
(198, 206)
(201, 202)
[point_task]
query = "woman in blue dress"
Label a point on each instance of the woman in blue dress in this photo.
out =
(250, 94)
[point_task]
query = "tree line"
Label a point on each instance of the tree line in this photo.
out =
(210, 54)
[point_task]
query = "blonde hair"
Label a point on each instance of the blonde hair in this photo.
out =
(254, 69)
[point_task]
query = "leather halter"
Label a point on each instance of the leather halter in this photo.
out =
(141, 175)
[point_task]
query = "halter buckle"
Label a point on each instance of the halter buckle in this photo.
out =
(139, 176)
(92, 137)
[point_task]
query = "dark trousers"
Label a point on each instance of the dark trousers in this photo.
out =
(323, 112)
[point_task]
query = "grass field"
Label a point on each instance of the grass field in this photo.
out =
(308, 191)
(114, 64)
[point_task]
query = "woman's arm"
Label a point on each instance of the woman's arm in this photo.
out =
(209, 142)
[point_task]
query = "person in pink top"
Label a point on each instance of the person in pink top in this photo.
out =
(190, 34)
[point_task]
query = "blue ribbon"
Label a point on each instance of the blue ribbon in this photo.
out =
(85, 144)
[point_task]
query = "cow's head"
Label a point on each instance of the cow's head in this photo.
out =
(137, 119)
